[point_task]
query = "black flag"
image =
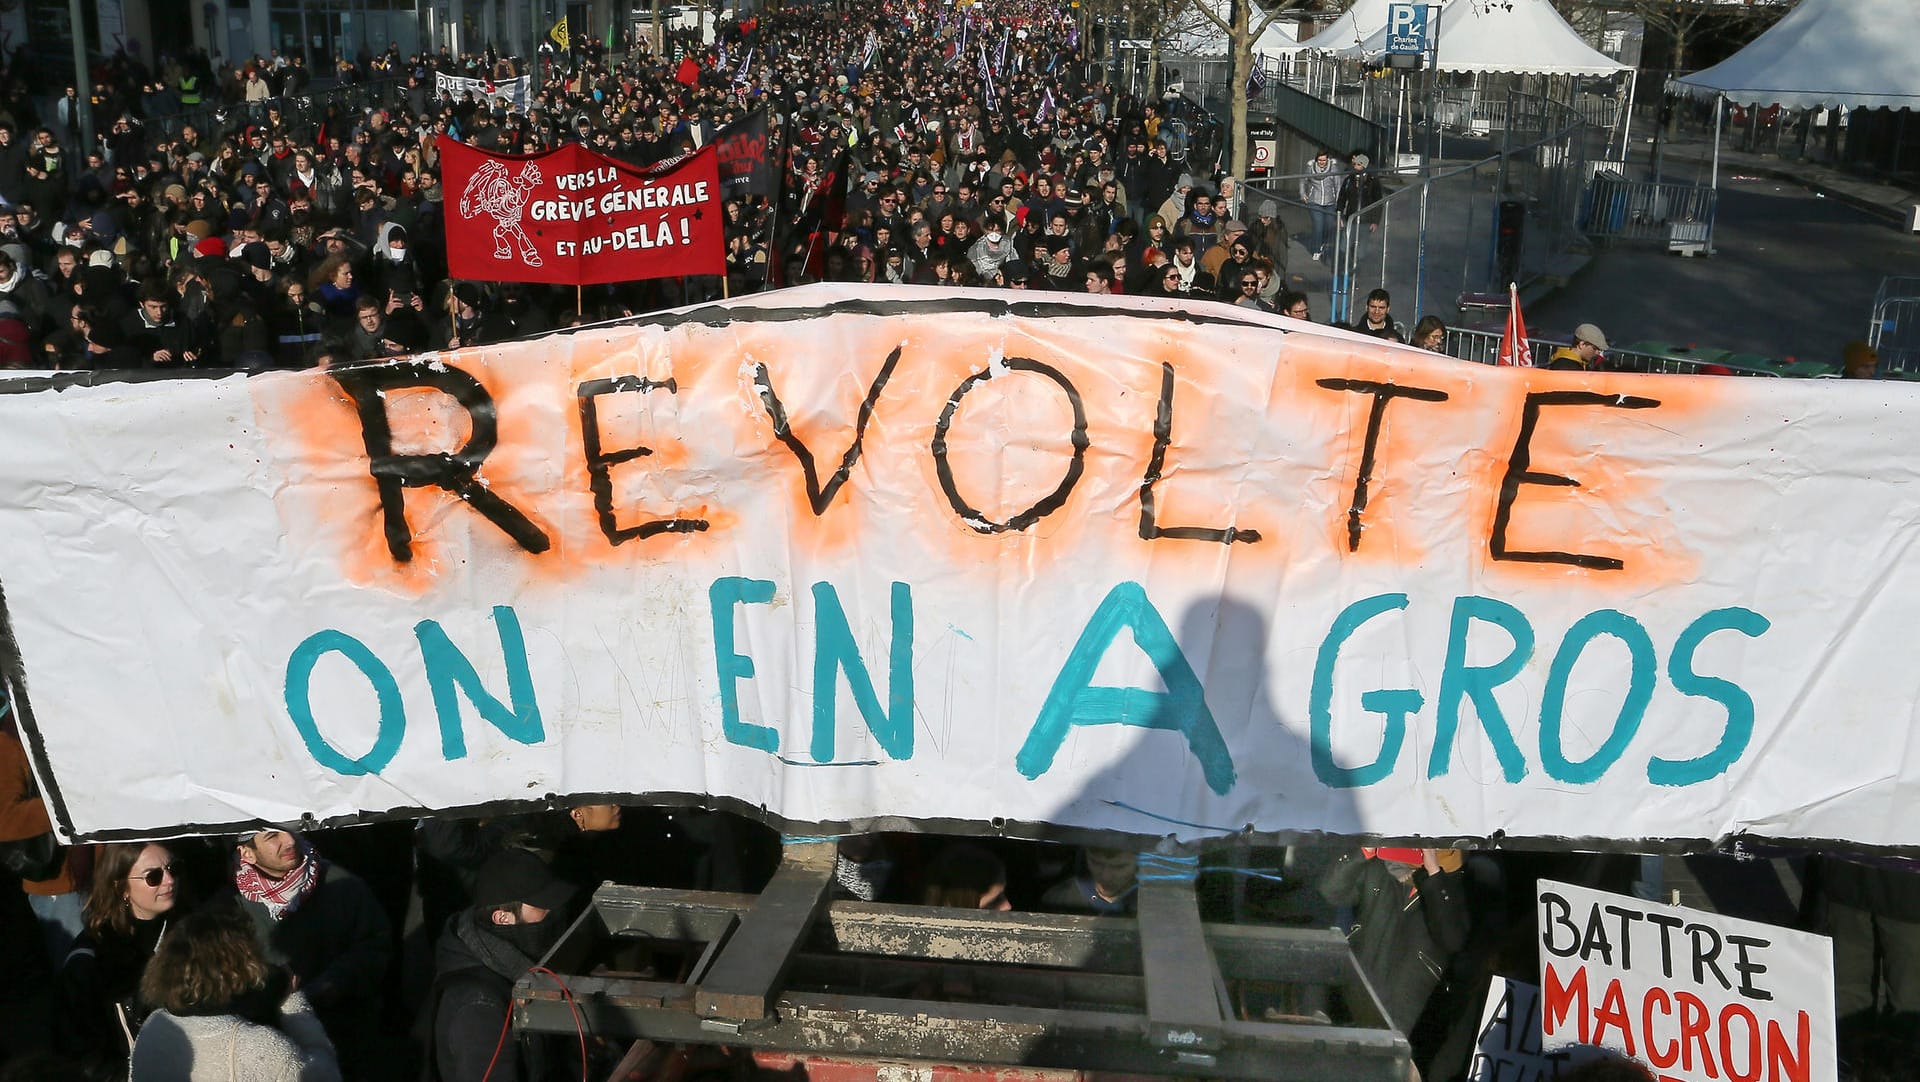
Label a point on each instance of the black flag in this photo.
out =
(746, 165)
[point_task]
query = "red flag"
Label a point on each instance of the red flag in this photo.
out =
(572, 217)
(1513, 341)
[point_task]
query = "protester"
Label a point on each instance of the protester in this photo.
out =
(1858, 360)
(966, 876)
(1410, 918)
(321, 922)
(1107, 884)
(1583, 354)
(518, 913)
(1430, 334)
(274, 230)
(51, 875)
(135, 900)
(1377, 318)
(220, 1011)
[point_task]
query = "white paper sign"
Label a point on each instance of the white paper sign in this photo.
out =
(1697, 996)
(837, 555)
(511, 92)
(1508, 1048)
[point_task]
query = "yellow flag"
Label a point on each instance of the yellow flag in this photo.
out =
(559, 32)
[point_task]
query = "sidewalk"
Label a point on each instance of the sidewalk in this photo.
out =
(1883, 199)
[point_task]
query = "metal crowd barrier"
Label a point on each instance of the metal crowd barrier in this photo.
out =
(1677, 215)
(1895, 328)
(1472, 114)
(1482, 347)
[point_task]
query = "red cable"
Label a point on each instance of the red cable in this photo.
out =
(579, 1027)
(506, 1023)
(502, 1042)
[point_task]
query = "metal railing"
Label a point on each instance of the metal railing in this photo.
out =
(1667, 212)
(1509, 217)
(1601, 113)
(1895, 328)
(1482, 347)
(1208, 84)
(1323, 122)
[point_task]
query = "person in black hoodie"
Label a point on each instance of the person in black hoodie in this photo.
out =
(517, 915)
(392, 266)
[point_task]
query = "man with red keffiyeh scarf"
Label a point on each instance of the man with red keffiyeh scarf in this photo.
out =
(324, 926)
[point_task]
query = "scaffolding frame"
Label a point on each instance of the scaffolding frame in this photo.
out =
(790, 970)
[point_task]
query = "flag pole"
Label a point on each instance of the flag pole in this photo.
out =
(578, 306)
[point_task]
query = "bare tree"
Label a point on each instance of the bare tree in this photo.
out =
(1245, 21)
(1681, 21)
(1155, 22)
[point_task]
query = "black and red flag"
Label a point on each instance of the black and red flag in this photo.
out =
(746, 159)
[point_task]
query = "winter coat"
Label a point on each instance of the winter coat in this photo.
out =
(469, 1003)
(229, 1048)
(1358, 192)
(1321, 187)
(1403, 934)
(337, 944)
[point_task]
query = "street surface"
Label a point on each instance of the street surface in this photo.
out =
(1793, 276)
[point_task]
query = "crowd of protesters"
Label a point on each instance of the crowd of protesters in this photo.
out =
(231, 217)
(223, 220)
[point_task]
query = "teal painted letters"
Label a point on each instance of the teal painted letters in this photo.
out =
(451, 675)
(1073, 701)
(393, 715)
(732, 667)
(834, 652)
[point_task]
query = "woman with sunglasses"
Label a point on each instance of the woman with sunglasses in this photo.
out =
(135, 900)
(1165, 281)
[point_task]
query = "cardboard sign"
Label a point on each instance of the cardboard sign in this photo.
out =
(840, 555)
(1508, 1048)
(573, 217)
(1696, 996)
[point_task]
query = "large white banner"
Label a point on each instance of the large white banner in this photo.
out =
(842, 557)
(1697, 996)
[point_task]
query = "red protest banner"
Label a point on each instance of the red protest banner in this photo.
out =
(573, 217)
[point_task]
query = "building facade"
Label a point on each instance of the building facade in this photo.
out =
(323, 31)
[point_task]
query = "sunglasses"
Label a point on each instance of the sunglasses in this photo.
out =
(153, 876)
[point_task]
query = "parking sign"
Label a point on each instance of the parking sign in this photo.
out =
(1407, 28)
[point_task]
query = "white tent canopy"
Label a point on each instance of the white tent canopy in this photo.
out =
(1355, 25)
(1824, 54)
(1196, 35)
(1527, 37)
